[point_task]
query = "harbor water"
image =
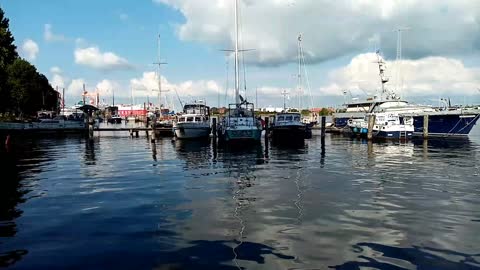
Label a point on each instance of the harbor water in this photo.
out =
(123, 203)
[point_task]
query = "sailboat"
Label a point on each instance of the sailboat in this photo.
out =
(240, 123)
(164, 125)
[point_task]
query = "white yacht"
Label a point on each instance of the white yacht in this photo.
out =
(194, 122)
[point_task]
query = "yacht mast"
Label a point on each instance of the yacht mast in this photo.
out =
(159, 63)
(299, 75)
(237, 79)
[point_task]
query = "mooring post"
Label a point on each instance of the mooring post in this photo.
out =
(131, 133)
(425, 126)
(267, 125)
(152, 139)
(371, 123)
(324, 119)
(136, 133)
(214, 127)
(90, 123)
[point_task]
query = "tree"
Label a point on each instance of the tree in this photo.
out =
(30, 90)
(8, 54)
(8, 50)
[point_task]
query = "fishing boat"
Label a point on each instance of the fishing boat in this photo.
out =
(240, 124)
(194, 122)
(442, 122)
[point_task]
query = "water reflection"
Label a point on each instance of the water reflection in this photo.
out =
(12, 193)
(215, 255)
(397, 258)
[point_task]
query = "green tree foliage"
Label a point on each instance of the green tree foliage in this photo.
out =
(30, 91)
(23, 90)
(305, 112)
(8, 52)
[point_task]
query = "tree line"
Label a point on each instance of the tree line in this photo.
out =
(23, 90)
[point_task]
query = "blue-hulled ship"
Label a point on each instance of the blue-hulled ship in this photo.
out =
(442, 122)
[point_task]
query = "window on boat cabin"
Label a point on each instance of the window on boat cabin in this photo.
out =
(289, 118)
(297, 118)
(198, 119)
(189, 119)
(181, 119)
(281, 118)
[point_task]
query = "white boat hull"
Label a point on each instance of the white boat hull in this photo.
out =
(191, 130)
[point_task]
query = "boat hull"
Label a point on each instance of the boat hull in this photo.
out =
(191, 131)
(236, 134)
(439, 125)
(446, 124)
(289, 133)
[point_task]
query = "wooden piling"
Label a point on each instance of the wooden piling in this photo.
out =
(324, 119)
(371, 123)
(214, 127)
(152, 139)
(136, 133)
(267, 130)
(425, 126)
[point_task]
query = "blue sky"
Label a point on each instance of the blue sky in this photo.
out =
(194, 31)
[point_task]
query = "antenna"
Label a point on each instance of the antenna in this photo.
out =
(284, 93)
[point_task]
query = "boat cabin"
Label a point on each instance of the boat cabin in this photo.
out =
(288, 118)
(192, 119)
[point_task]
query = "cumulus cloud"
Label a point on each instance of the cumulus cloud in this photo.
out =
(94, 58)
(75, 88)
(149, 81)
(57, 79)
(49, 36)
(30, 49)
(421, 77)
(333, 28)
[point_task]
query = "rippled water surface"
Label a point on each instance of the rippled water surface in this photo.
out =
(123, 203)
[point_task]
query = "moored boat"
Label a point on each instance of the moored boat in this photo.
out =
(240, 123)
(194, 122)
(288, 127)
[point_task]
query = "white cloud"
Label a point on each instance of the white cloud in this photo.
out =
(422, 77)
(123, 16)
(333, 28)
(75, 88)
(49, 36)
(30, 49)
(107, 87)
(57, 79)
(143, 86)
(94, 58)
(55, 69)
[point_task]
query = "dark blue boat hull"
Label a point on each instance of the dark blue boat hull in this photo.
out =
(438, 125)
(446, 124)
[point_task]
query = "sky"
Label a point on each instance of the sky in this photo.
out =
(110, 46)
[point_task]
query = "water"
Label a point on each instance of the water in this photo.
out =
(118, 204)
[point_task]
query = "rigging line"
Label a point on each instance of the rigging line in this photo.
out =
(226, 81)
(306, 78)
(449, 134)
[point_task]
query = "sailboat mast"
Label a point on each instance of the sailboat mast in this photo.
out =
(237, 79)
(159, 78)
(299, 75)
